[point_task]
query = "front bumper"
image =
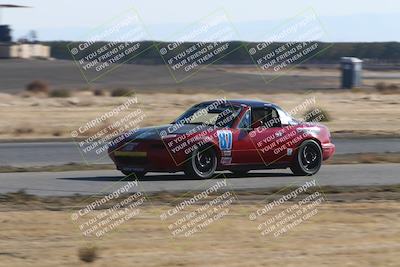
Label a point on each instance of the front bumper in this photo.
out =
(144, 161)
(328, 150)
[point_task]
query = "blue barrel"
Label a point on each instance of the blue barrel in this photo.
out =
(351, 72)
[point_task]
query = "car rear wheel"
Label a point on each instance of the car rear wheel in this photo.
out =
(202, 163)
(308, 159)
(133, 175)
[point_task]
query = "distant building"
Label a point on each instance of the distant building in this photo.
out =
(24, 50)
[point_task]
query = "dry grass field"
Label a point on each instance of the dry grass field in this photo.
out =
(363, 233)
(351, 113)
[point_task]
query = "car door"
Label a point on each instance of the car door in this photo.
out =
(267, 136)
(243, 150)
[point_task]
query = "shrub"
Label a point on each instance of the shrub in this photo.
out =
(37, 86)
(87, 254)
(122, 92)
(23, 130)
(99, 92)
(380, 86)
(384, 88)
(60, 93)
(393, 87)
(57, 133)
(316, 114)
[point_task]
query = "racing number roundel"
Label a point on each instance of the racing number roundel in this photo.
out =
(225, 139)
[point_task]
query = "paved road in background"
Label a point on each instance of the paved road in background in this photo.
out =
(15, 74)
(92, 182)
(157, 78)
(57, 153)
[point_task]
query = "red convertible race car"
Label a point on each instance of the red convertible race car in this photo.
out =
(234, 135)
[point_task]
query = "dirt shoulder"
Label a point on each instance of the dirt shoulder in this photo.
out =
(20, 200)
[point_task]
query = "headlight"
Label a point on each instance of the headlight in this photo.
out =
(312, 130)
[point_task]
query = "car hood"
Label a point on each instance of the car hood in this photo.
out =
(155, 133)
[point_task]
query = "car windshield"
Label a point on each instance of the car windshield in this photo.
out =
(210, 114)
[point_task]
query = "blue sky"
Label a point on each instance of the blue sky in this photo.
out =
(345, 20)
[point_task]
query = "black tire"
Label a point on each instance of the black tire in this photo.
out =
(239, 173)
(133, 175)
(202, 163)
(308, 159)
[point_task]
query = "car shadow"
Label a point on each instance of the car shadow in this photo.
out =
(177, 177)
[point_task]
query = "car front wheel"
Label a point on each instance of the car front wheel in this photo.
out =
(202, 163)
(308, 159)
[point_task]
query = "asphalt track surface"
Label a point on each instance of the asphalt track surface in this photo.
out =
(15, 74)
(106, 181)
(103, 182)
(57, 153)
